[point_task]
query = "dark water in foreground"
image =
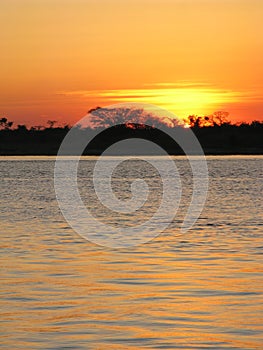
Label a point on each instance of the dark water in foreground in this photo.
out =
(198, 290)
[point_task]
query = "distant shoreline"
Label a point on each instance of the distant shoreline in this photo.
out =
(226, 139)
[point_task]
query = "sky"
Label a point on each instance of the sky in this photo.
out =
(59, 58)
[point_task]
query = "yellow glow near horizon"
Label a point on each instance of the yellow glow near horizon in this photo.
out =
(183, 100)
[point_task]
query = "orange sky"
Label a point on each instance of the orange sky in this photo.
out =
(61, 57)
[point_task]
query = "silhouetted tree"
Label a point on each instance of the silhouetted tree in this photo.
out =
(51, 123)
(256, 124)
(37, 128)
(194, 121)
(5, 124)
(66, 127)
(219, 118)
(107, 117)
(21, 128)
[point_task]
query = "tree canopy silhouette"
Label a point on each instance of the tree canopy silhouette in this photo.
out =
(218, 118)
(106, 117)
(5, 124)
(215, 132)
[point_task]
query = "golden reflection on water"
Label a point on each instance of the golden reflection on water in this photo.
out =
(77, 293)
(200, 290)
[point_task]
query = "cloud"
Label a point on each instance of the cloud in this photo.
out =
(180, 84)
(182, 98)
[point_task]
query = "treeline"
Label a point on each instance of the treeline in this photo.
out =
(215, 133)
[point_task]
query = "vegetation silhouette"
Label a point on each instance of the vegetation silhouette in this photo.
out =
(216, 134)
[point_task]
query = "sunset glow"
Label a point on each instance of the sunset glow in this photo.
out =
(60, 58)
(181, 99)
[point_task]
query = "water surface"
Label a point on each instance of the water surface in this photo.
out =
(198, 290)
